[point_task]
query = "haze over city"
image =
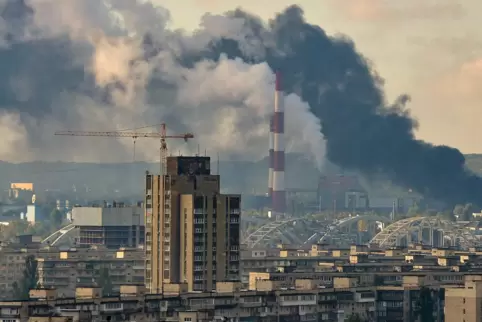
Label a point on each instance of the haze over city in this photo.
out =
(240, 161)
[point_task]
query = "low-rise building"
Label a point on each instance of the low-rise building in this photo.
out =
(79, 267)
(12, 262)
(114, 226)
(269, 302)
(66, 269)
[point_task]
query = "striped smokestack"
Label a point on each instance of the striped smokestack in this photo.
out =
(271, 157)
(279, 195)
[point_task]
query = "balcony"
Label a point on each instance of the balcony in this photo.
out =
(365, 297)
(112, 307)
(9, 313)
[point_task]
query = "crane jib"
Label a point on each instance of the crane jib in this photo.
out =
(135, 135)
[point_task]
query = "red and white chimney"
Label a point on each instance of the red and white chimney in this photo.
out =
(279, 194)
(271, 157)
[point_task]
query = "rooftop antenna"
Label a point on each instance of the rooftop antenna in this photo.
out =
(205, 153)
(217, 165)
(198, 152)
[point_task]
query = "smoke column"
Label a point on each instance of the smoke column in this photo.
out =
(279, 194)
(115, 65)
(270, 157)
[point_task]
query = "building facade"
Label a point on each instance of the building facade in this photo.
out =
(192, 230)
(113, 226)
(65, 271)
(465, 303)
(270, 302)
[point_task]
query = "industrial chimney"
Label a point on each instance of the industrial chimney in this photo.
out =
(279, 195)
(270, 157)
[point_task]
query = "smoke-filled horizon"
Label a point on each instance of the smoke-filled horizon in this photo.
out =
(115, 64)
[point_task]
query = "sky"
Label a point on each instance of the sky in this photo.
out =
(430, 49)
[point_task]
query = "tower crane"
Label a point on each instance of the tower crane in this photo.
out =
(162, 135)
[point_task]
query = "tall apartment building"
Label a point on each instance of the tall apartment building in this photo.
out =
(192, 230)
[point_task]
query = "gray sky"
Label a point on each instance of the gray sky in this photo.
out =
(430, 49)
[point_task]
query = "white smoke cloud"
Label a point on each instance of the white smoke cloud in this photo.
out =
(226, 104)
(14, 134)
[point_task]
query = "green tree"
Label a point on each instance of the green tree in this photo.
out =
(15, 228)
(355, 318)
(104, 281)
(56, 217)
(464, 212)
(447, 215)
(469, 209)
(430, 212)
(459, 211)
(425, 306)
(29, 280)
(41, 229)
(413, 211)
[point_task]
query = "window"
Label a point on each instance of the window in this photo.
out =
(187, 319)
(111, 306)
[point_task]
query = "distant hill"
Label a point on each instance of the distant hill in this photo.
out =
(126, 179)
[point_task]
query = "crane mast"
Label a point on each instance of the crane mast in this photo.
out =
(161, 135)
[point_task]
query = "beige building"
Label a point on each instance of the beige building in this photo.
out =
(12, 265)
(465, 303)
(12, 261)
(79, 267)
(192, 230)
(269, 302)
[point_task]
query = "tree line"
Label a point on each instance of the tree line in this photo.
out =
(459, 212)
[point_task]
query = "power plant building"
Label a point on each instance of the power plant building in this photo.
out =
(341, 191)
(192, 230)
(113, 226)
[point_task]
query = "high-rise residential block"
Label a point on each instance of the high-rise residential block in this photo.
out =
(192, 230)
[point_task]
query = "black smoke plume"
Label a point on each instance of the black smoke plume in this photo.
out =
(362, 131)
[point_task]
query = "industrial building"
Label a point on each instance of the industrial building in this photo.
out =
(36, 214)
(113, 226)
(192, 230)
(332, 192)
